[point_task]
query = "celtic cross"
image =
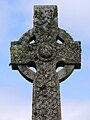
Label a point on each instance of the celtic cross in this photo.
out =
(39, 48)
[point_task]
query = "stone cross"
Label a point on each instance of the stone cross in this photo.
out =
(39, 48)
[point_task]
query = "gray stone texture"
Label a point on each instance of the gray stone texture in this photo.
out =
(45, 54)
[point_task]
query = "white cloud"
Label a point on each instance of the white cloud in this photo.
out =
(74, 17)
(15, 112)
(12, 109)
(76, 110)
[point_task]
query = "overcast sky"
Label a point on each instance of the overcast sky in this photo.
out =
(16, 17)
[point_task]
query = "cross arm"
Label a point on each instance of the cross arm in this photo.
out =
(70, 54)
(21, 54)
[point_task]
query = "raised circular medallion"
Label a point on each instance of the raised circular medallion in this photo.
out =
(46, 52)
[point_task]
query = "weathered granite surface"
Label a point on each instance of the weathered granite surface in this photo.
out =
(46, 54)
